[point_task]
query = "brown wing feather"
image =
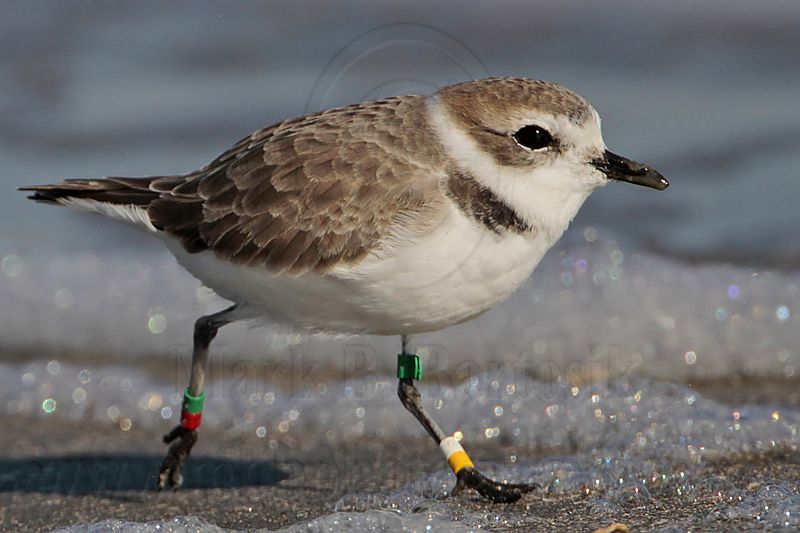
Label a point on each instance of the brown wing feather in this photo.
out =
(309, 193)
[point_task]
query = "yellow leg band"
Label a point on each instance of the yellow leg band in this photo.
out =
(457, 458)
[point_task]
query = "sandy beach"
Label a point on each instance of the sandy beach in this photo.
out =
(58, 473)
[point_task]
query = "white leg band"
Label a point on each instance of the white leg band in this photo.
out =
(449, 446)
(457, 458)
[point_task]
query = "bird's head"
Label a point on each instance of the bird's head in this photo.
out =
(537, 145)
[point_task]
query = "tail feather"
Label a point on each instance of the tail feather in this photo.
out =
(117, 191)
(125, 199)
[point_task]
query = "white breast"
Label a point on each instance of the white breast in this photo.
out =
(454, 273)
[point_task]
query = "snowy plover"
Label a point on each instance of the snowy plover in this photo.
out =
(391, 217)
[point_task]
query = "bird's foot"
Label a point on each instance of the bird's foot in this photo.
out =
(171, 473)
(492, 490)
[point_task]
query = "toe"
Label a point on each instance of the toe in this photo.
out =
(490, 489)
(171, 473)
(163, 474)
(176, 478)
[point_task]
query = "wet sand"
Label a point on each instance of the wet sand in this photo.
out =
(735, 389)
(82, 472)
(56, 472)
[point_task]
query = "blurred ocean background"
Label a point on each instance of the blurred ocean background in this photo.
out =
(694, 285)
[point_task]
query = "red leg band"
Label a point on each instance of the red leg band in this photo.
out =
(191, 420)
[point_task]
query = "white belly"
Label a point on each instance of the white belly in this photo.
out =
(454, 273)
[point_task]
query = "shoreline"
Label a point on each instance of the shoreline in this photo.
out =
(292, 485)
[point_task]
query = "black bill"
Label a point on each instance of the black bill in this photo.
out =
(619, 168)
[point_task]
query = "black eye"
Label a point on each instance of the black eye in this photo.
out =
(533, 137)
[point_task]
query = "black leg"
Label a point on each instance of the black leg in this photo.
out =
(412, 400)
(171, 473)
(466, 474)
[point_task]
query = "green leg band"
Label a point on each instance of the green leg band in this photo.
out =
(409, 366)
(193, 404)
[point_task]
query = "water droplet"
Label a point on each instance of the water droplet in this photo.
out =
(157, 324)
(49, 405)
(63, 298)
(154, 402)
(255, 398)
(11, 265)
(733, 292)
(53, 367)
(78, 395)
